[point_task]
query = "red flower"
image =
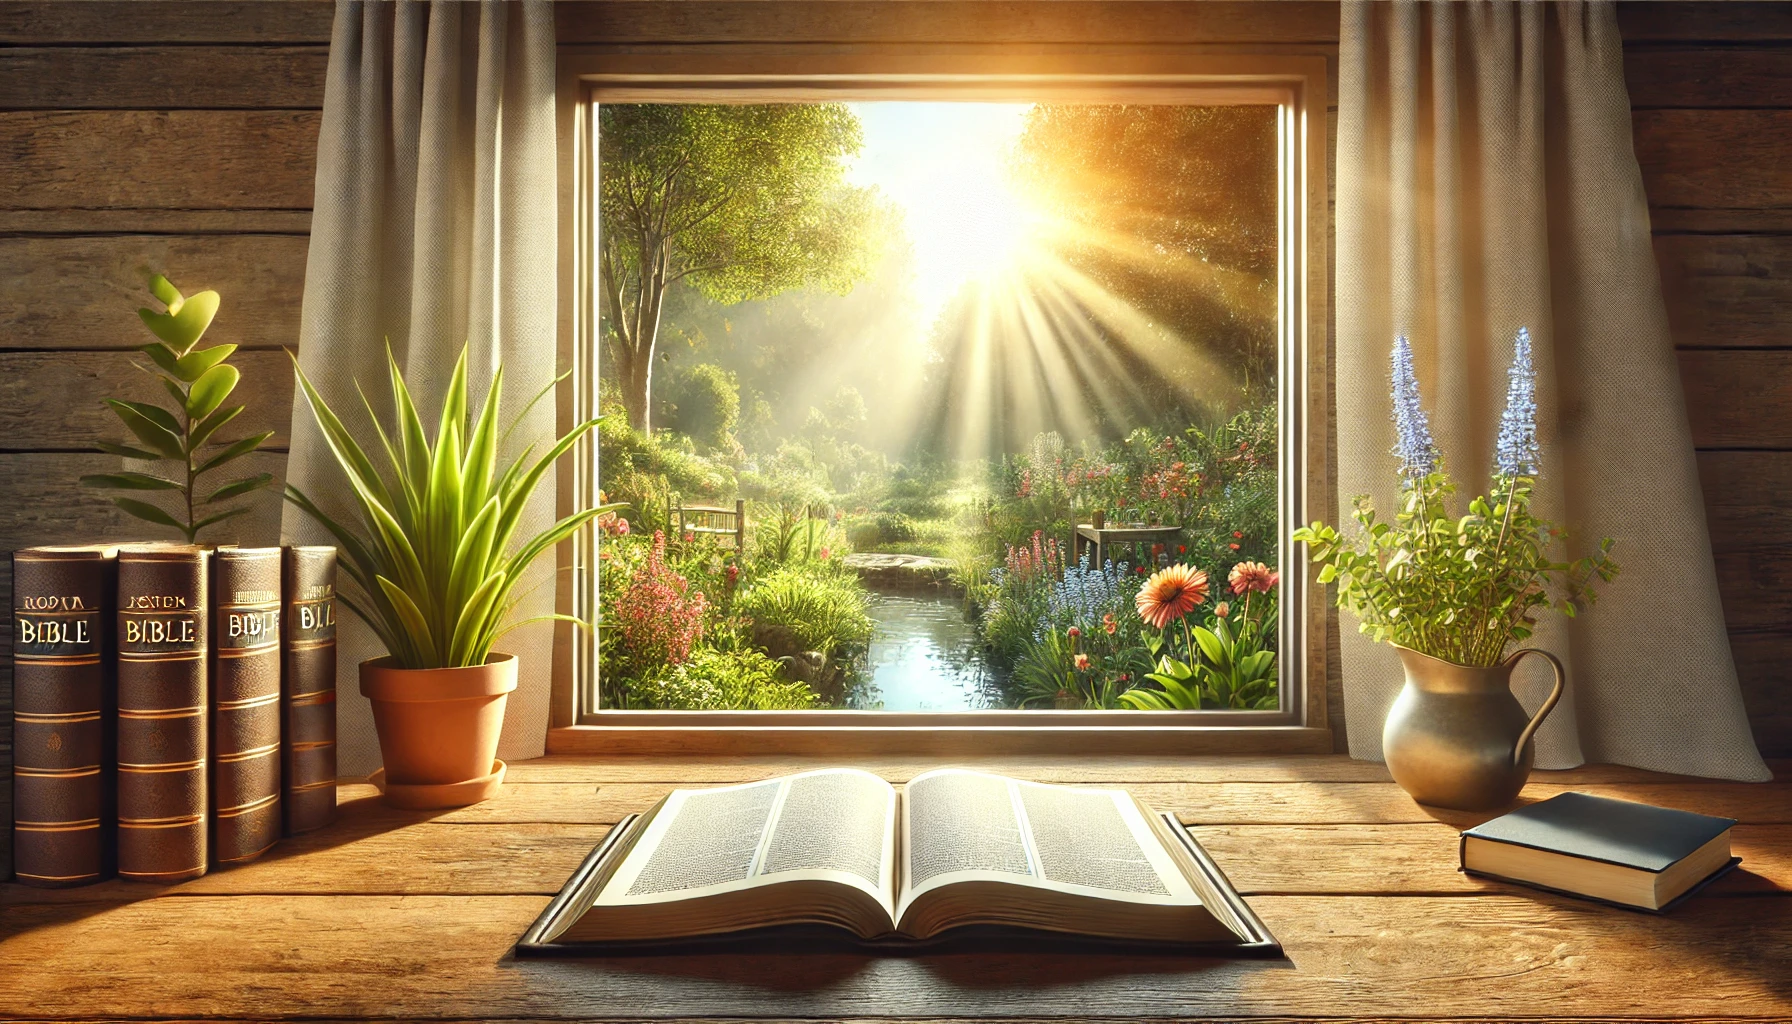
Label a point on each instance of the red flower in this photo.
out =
(1238, 534)
(824, 553)
(1075, 632)
(1182, 549)
(1082, 663)
(1170, 594)
(1108, 623)
(621, 527)
(1233, 546)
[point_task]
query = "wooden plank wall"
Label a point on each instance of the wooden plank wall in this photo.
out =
(180, 137)
(141, 136)
(1711, 101)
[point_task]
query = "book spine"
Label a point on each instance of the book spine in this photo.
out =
(163, 635)
(245, 703)
(62, 720)
(308, 776)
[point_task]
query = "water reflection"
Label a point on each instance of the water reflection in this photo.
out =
(924, 656)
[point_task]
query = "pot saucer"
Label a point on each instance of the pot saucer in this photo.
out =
(451, 794)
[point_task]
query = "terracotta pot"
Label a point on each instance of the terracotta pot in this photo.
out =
(438, 728)
(1456, 736)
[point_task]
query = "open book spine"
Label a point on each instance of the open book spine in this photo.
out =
(162, 637)
(245, 703)
(308, 704)
(62, 718)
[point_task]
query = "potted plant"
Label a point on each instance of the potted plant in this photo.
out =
(435, 563)
(1452, 592)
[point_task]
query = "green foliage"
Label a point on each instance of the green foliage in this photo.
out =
(1214, 668)
(643, 471)
(738, 201)
(715, 680)
(879, 530)
(704, 404)
(1195, 185)
(824, 606)
(198, 381)
(433, 558)
(788, 534)
(1456, 588)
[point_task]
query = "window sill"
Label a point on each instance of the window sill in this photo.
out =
(625, 738)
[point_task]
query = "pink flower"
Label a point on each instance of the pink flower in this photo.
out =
(824, 553)
(621, 527)
(1252, 576)
(1222, 609)
(1170, 594)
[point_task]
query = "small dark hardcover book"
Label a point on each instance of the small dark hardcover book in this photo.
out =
(62, 718)
(245, 703)
(1614, 851)
(308, 774)
(163, 635)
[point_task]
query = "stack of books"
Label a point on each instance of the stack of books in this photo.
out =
(175, 707)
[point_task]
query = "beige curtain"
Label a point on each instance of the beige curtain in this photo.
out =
(433, 226)
(1487, 182)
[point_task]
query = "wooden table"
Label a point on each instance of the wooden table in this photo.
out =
(1139, 538)
(411, 915)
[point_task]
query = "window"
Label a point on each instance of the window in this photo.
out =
(959, 327)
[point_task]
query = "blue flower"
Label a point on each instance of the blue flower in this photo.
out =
(1086, 593)
(1516, 452)
(1413, 445)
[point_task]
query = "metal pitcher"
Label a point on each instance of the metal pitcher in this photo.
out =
(1456, 736)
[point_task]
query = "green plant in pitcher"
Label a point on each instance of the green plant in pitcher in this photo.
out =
(198, 380)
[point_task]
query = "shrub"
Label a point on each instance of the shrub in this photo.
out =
(703, 402)
(645, 470)
(713, 680)
(880, 529)
(1020, 605)
(825, 607)
(657, 618)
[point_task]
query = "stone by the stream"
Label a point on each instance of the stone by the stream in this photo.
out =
(901, 572)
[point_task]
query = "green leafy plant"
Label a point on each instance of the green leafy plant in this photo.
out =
(1459, 588)
(715, 680)
(198, 380)
(1222, 671)
(826, 609)
(434, 559)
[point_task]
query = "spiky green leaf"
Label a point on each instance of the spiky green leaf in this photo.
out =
(147, 512)
(127, 452)
(243, 486)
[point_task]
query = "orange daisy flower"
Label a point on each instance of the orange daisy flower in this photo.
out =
(1171, 593)
(1248, 576)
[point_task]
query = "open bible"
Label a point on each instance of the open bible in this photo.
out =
(839, 856)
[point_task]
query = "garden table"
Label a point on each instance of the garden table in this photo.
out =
(411, 915)
(1140, 538)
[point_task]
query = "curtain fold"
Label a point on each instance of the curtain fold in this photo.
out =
(1487, 182)
(433, 227)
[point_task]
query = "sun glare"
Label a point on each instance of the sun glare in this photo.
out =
(944, 166)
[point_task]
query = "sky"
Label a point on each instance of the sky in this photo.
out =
(942, 163)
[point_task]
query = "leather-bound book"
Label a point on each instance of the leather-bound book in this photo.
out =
(308, 775)
(162, 639)
(245, 703)
(62, 714)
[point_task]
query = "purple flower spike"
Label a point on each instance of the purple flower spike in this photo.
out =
(1516, 453)
(1413, 445)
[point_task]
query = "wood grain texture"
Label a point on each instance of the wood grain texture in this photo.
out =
(51, 400)
(1727, 291)
(445, 957)
(1240, 803)
(1738, 399)
(84, 292)
(154, 222)
(945, 21)
(176, 159)
(1687, 21)
(162, 77)
(42, 502)
(140, 22)
(1715, 158)
(1761, 660)
(1708, 76)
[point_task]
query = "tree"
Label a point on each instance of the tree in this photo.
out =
(704, 405)
(741, 202)
(1172, 208)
